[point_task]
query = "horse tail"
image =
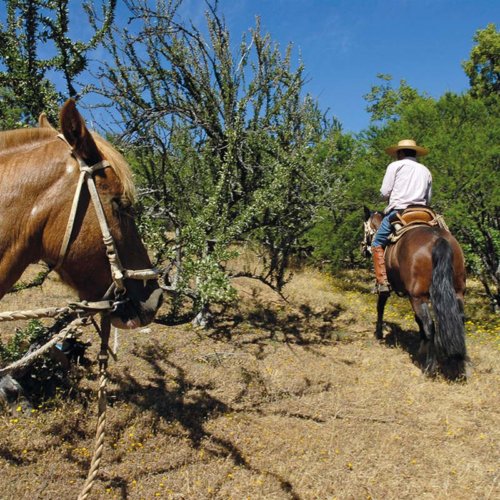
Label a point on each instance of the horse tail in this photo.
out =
(449, 339)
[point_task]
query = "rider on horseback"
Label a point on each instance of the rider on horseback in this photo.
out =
(406, 182)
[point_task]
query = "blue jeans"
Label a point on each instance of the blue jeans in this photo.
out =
(384, 231)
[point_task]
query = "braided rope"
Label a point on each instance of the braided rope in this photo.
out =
(50, 312)
(114, 260)
(102, 404)
(442, 223)
(100, 432)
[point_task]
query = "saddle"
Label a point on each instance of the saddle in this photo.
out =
(413, 217)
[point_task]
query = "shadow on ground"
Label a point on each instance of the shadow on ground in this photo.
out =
(302, 326)
(407, 340)
(190, 404)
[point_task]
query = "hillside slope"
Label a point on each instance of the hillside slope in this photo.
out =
(280, 400)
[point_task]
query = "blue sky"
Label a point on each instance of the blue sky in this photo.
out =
(344, 44)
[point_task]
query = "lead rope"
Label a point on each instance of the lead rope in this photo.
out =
(117, 276)
(72, 328)
(102, 404)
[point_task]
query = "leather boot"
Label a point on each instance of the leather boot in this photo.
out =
(382, 284)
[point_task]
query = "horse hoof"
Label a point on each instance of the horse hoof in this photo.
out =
(456, 370)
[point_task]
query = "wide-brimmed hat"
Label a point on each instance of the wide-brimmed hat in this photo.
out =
(406, 144)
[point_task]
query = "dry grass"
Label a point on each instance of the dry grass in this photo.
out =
(279, 400)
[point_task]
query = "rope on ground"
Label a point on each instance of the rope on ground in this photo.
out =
(72, 328)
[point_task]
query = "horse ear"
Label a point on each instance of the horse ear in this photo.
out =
(368, 213)
(43, 122)
(76, 133)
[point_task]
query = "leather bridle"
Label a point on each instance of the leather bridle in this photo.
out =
(118, 272)
(369, 230)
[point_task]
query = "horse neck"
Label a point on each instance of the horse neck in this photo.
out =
(31, 185)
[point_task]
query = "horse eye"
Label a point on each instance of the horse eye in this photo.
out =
(122, 206)
(125, 203)
(115, 205)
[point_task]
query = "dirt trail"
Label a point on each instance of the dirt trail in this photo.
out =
(280, 400)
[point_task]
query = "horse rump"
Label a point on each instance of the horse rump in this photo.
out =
(449, 339)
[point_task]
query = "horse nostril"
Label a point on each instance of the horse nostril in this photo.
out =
(156, 299)
(152, 304)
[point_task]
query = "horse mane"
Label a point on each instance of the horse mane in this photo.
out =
(11, 139)
(24, 137)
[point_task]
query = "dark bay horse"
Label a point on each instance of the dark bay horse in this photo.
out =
(427, 265)
(39, 174)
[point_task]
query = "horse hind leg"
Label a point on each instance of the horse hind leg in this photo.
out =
(425, 323)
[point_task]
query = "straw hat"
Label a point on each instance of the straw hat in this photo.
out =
(406, 144)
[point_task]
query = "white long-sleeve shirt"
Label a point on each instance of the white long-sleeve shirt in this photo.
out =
(406, 182)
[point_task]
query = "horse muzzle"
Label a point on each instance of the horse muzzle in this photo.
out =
(134, 312)
(366, 250)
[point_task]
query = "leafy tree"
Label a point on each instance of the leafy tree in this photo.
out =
(462, 134)
(465, 137)
(34, 43)
(334, 239)
(385, 102)
(223, 144)
(483, 66)
(361, 163)
(10, 111)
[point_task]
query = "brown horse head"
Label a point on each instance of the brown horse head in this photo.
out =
(39, 173)
(372, 221)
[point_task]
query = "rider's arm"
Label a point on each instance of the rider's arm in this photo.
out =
(428, 195)
(388, 182)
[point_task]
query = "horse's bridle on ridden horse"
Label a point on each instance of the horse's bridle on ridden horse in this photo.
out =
(366, 244)
(117, 290)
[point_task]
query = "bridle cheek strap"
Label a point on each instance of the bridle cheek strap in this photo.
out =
(369, 232)
(85, 170)
(118, 273)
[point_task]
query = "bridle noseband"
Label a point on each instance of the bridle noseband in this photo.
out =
(118, 272)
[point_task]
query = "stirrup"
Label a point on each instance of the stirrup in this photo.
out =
(381, 288)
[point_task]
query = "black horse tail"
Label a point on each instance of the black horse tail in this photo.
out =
(449, 339)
